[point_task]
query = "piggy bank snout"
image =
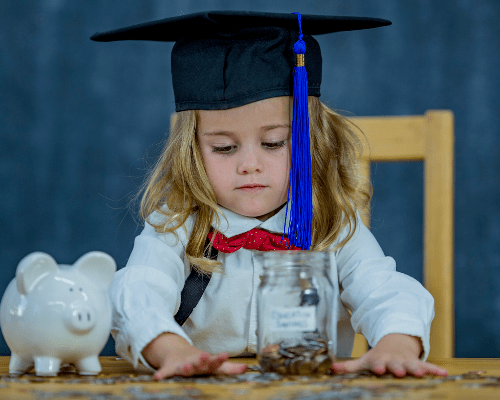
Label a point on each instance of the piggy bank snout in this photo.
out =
(80, 319)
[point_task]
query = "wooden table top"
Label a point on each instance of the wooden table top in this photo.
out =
(468, 379)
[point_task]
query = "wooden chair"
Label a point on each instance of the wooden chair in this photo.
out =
(428, 138)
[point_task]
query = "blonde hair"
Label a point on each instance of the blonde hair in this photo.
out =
(178, 181)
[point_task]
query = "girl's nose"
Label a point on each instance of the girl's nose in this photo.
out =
(249, 163)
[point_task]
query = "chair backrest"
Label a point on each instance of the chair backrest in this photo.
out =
(428, 138)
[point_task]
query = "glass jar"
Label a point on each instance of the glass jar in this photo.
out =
(295, 313)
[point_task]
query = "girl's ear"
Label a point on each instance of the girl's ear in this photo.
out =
(32, 268)
(99, 267)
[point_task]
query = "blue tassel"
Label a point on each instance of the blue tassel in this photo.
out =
(299, 229)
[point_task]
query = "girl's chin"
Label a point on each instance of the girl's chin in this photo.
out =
(260, 213)
(263, 217)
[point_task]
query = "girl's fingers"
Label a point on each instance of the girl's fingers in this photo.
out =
(165, 372)
(231, 368)
(347, 367)
(215, 362)
(204, 364)
(397, 368)
(378, 368)
(222, 357)
(434, 369)
(416, 369)
(420, 368)
(188, 369)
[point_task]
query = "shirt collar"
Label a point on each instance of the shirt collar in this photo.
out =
(232, 224)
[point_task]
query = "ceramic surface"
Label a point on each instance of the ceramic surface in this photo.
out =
(53, 314)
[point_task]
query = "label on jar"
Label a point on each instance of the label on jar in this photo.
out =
(292, 319)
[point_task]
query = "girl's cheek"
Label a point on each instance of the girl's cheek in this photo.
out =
(217, 163)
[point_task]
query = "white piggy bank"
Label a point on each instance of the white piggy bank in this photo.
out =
(54, 314)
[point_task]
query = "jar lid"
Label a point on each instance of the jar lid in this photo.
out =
(293, 259)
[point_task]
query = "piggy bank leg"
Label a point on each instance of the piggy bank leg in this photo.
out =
(47, 366)
(20, 365)
(88, 366)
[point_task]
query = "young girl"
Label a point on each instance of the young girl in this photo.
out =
(225, 172)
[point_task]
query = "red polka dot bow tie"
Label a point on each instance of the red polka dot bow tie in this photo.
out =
(255, 239)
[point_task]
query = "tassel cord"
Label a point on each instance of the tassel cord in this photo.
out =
(300, 185)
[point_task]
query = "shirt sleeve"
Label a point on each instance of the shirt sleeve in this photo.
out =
(145, 294)
(382, 301)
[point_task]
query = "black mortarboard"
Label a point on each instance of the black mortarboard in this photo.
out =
(226, 59)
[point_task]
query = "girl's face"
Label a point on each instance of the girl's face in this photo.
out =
(246, 152)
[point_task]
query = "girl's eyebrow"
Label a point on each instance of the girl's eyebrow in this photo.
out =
(218, 133)
(271, 127)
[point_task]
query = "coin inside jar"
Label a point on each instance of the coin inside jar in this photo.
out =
(307, 357)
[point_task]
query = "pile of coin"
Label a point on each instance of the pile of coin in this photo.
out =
(305, 357)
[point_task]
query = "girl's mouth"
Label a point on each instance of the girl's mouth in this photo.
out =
(252, 188)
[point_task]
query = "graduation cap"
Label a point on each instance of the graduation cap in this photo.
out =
(226, 59)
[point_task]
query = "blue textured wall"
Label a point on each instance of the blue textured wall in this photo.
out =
(79, 122)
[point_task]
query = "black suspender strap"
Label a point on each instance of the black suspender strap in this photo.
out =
(195, 285)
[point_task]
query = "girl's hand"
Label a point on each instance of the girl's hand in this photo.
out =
(397, 354)
(173, 355)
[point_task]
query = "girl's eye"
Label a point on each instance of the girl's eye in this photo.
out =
(223, 149)
(274, 145)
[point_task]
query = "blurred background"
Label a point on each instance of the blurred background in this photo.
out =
(80, 122)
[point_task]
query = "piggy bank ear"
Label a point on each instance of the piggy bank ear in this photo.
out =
(99, 267)
(32, 268)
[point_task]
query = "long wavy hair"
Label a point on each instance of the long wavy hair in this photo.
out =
(177, 185)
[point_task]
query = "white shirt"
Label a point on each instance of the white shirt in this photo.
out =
(146, 293)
